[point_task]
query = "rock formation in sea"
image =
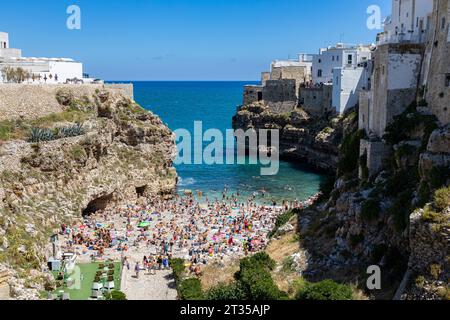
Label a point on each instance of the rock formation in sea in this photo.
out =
(303, 137)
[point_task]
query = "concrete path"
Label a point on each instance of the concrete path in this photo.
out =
(148, 287)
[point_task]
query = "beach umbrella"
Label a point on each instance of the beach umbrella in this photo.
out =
(144, 224)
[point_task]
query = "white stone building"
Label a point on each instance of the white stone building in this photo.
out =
(409, 22)
(40, 70)
(339, 56)
(348, 83)
(347, 68)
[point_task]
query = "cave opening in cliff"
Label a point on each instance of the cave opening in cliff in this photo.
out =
(98, 204)
(140, 191)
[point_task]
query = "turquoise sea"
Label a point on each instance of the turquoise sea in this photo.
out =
(179, 104)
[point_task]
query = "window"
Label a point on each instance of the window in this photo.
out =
(350, 59)
(320, 60)
(443, 23)
(447, 80)
(319, 73)
(337, 58)
(332, 58)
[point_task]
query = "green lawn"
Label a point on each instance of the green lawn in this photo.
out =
(88, 271)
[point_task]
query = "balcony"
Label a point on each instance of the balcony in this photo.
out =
(408, 37)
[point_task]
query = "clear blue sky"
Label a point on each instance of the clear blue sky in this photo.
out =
(184, 39)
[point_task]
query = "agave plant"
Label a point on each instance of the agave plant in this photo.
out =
(43, 135)
(39, 135)
(72, 131)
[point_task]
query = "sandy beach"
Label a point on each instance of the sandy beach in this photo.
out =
(144, 237)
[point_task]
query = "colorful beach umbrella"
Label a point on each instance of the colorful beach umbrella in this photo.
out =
(144, 224)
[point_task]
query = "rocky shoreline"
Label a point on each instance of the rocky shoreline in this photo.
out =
(303, 137)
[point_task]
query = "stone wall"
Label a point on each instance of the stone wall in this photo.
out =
(252, 94)
(365, 98)
(438, 77)
(280, 95)
(297, 73)
(377, 153)
(316, 100)
(23, 101)
(264, 77)
(396, 76)
(126, 89)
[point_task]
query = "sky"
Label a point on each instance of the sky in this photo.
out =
(185, 39)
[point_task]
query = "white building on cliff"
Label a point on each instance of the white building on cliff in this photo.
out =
(347, 68)
(339, 56)
(38, 70)
(409, 22)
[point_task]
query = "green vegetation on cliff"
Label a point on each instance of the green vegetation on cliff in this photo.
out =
(325, 290)
(22, 129)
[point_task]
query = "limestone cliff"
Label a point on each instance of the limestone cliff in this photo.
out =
(397, 219)
(303, 137)
(115, 153)
(387, 217)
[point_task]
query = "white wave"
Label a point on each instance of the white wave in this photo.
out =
(186, 182)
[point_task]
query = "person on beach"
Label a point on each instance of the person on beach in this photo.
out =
(203, 233)
(137, 269)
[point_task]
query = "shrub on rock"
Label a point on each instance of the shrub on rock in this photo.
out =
(325, 290)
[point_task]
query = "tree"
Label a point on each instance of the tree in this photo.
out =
(325, 290)
(15, 75)
(190, 289)
(115, 295)
(227, 292)
(255, 279)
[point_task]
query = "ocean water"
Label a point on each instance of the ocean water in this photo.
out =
(179, 104)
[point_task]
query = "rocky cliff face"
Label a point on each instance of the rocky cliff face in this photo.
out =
(390, 219)
(123, 152)
(312, 140)
(398, 219)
